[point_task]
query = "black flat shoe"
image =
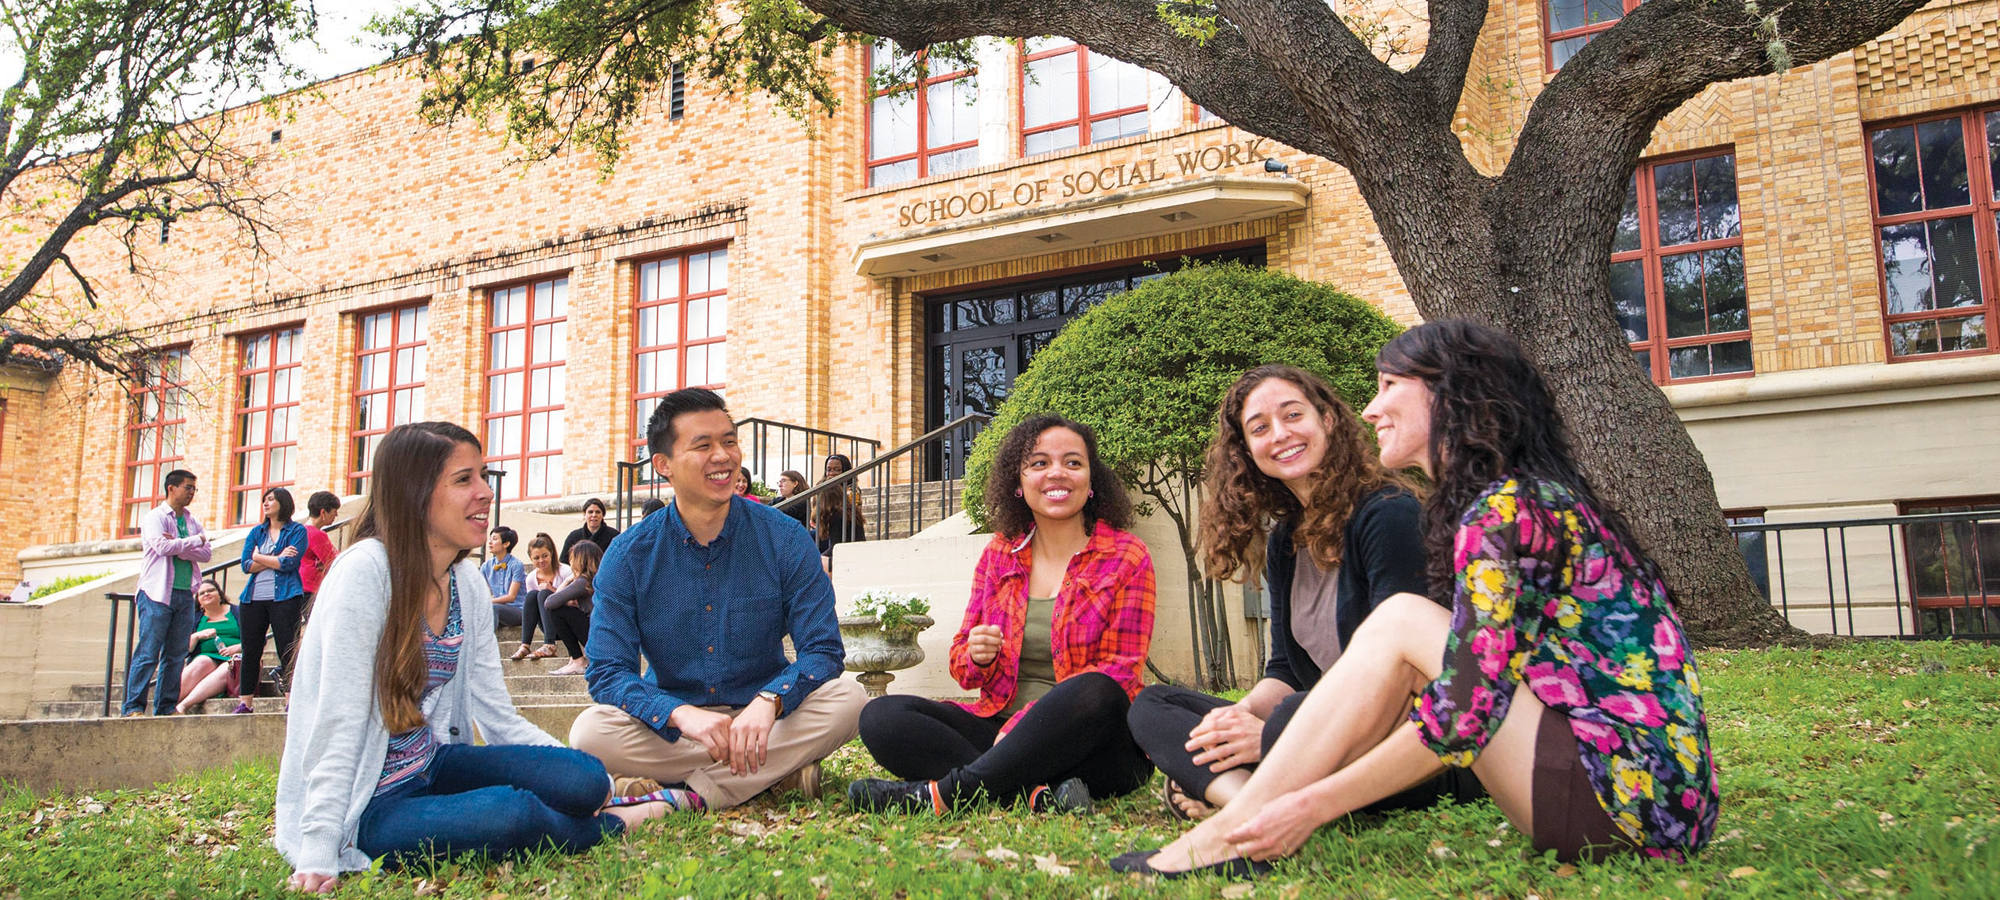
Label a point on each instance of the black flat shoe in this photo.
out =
(1238, 869)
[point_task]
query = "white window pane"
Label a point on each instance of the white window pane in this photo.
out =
(538, 477)
(406, 326)
(538, 388)
(1038, 44)
(892, 129)
(718, 316)
(496, 394)
(718, 363)
(558, 347)
(538, 432)
(951, 114)
(697, 277)
(697, 320)
(257, 352)
(893, 173)
(554, 478)
(544, 299)
(288, 344)
(1050, 90)
(538, 345)
(1115, 84)
(1049, 141)
(697, 365)
(419, 365)
(559, 297)
(423, 318)
(718, 269)
(281, 463)
(557, 420)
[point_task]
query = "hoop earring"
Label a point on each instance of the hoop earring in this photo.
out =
(1093, 493)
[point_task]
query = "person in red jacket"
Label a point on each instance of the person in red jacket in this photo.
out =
(321, 509)
(1054, 639)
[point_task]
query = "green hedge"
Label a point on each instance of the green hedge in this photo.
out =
(1148, 367)
(64, 583)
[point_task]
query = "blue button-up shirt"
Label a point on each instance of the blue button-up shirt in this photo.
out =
(710, 620)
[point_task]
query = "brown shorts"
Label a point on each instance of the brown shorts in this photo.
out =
(1568, 818)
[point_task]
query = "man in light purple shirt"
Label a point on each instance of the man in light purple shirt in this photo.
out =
(175, 547)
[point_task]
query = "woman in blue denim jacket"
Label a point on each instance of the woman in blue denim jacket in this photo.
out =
(273, 597)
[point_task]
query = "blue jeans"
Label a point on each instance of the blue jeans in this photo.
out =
(162, 644)
(490, 800)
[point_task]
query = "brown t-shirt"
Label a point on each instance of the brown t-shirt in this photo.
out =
(1315, 611)
(1038, 656)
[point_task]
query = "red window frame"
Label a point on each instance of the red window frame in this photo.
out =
(1977, 127)
(158, 411)
(1085, 118)
(654, 348)
(1658, 346)
(924, 151)
(401, 397)
(1588, 31)
(1978, 596)
(263, 454)
(533, 470)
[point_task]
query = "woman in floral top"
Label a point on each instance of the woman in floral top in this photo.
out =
(1561, 675)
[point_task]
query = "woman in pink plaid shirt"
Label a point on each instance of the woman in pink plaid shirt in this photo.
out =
(1054, 638)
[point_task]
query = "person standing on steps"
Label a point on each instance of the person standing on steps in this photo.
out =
(274, 598)
(174, 547)
(706, 591)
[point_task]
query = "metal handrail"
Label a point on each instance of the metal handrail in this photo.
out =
(847, 479)
(132, 621)
(1974, 607)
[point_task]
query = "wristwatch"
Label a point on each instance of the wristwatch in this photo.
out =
(773, 697)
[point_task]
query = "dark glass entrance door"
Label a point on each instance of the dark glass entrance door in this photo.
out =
(980, 341)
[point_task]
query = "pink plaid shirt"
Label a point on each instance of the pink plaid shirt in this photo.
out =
(1103, 618)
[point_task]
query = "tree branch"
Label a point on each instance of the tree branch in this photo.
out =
(1454, 32)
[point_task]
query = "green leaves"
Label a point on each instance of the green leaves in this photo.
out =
(1148, 368)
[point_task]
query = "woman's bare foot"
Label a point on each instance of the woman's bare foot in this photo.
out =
(1202, 846)
(576, 667)
(633, 815)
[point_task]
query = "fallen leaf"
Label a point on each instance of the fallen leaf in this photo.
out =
(1742, 872)
(1051, 866)
(1565, 870)
(965, 854)
(1879, 873)
(1002, 854)
(1238, 891)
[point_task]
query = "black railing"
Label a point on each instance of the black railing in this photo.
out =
(1936, 575)
(895, 494)
(219, 571)
(769, 448)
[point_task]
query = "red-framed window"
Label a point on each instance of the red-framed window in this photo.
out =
(1567, 25)
(527, 333)
(1954, 567)
(390, 356)
(267, 418)
(1071, 97)
(1936, 187)
(1677, 270)
(926, 125)
(682, 323)
(155, 438)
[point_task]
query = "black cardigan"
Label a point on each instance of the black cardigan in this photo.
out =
(1382, 554)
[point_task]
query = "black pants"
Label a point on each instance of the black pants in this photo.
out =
(531, 615)
(281, 617)
(1163, 716)
(569, 625)
(1077, 730)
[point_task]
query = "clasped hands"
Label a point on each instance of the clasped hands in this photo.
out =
(742, 741)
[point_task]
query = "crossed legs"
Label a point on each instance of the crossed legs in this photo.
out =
(1362, 748)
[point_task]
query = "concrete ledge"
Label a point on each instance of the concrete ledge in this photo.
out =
(98, 754)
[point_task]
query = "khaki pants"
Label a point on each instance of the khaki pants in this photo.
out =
(828, 718)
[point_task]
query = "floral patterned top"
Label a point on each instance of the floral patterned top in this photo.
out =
(1545, 592)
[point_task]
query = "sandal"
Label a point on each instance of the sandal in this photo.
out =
(1174, 795)
(545, 651)
(521, 653)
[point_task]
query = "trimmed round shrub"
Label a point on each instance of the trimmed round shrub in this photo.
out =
(1147, 368)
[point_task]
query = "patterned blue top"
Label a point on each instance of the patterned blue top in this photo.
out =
(411, 751)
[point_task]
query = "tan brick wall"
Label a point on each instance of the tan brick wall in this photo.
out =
(379, 209)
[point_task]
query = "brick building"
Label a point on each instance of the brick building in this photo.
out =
(1810, 268)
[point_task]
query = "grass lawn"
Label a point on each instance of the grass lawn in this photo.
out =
(1867, 771)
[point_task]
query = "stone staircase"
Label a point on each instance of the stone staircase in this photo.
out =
(908, 508)
(551, 701)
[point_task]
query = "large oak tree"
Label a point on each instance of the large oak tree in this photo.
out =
(1526, 249)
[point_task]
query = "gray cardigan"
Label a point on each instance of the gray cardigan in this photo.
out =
(335, 741)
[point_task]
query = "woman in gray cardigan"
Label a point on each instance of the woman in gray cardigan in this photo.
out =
(398, 669)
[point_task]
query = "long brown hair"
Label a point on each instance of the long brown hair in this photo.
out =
(541, 541)
(1239, 498)
(407, 466)
(583, 563)
(1492, 418)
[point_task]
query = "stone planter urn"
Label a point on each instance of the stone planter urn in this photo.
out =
(875, 653)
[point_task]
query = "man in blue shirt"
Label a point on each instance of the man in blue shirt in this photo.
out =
(506, 577)
(707, 591)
